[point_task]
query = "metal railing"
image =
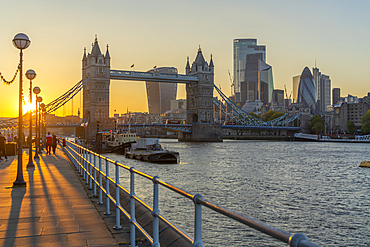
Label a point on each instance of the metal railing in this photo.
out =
(87, 165)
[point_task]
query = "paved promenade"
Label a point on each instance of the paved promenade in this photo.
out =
(52, 210)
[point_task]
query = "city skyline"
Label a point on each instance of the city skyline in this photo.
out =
(164, 33)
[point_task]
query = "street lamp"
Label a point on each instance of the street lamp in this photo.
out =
(30, 74)
(42, 123)
(39, 100)
(36, 90)
(21, 42)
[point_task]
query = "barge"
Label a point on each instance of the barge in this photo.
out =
(149, 149)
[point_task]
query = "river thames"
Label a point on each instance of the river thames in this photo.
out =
(312, 188)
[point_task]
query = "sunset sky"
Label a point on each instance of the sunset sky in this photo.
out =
(163, 33)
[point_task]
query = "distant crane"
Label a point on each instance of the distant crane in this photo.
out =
(231, 81)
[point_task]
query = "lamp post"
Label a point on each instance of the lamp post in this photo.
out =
(39, 100)
(30, 74)
(42, 123)
(36, 90)
(21, 42)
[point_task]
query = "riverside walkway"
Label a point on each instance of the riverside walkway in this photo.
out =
(53, 209)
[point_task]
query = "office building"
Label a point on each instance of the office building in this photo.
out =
(307, 90)
(258, 83)
(160, 94)
(242, 48)
(278, 97)
(336, 95)
(323, 90)
(346, 112)
(296, 80)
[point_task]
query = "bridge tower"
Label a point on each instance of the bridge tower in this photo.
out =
(199, 102)
(96, 92)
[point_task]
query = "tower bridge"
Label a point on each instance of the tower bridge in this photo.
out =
(199, 80)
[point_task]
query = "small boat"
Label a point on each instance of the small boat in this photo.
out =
(149, 149)
(365, 164)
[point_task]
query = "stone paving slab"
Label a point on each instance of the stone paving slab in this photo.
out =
(52, 210)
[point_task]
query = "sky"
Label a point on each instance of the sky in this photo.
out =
(334, 33)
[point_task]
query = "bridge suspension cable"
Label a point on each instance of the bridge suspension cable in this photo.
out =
(243, 118)
(63, 99)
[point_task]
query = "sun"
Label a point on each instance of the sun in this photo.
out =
(28, 107)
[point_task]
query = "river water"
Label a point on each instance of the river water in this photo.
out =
(312, 188)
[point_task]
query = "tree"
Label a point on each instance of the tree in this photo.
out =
(271, 115)
(365, 121)
(254, 114)
(351, 128)
(317, 125)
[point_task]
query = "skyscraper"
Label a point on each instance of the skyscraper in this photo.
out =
(323, 90)
(307, 90)
(243, 47)
(336, 95)
(160, 94)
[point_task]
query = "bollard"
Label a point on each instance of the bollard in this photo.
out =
(132, 206)
(107, 187)
(100, 184)
(118, 204)
(155, 212)
(94, 174)
(198, 223)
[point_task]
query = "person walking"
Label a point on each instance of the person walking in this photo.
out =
(49, 141)
(54, 143)
(2, 146)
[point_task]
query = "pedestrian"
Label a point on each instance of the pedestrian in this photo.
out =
(10, 139)
(2, 146)
(54, 143)
(49, 141)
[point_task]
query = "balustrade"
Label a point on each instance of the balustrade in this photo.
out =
(82, 159)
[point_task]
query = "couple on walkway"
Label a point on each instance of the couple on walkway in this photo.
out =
(51, 142)
(2, 147)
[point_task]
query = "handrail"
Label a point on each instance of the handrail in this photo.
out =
(88, 169)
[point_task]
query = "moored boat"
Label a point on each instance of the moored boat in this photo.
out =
(149, 149)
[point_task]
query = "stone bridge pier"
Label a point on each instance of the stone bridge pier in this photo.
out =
(199, 103)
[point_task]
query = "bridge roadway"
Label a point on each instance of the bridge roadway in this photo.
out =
(53, 209)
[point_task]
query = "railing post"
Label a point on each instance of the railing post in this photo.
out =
(107, 187)
(118, 204)
(90, 172)
(84, 163)
(100, 183)
(132, 206)
(80, 159)
(94, 175)
(198, 222)
(155, 213)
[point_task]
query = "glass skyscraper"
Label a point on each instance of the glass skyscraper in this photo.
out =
(160, 94)
(323, 90)
(307, 90)
(243, 47)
